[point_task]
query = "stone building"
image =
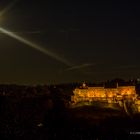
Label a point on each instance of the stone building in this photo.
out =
(89, 94)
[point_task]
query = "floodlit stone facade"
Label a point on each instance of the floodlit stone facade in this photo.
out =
(89, 94)
(137, 103)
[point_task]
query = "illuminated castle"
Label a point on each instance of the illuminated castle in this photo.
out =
(89, 94)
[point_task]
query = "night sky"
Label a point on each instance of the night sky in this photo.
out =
(88, 41)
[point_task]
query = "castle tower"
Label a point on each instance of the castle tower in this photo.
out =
(84, 85)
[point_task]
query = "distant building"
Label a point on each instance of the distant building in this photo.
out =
(89, 94)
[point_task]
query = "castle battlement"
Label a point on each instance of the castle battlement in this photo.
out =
(85, 93)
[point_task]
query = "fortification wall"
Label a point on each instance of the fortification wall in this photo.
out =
(101, 93)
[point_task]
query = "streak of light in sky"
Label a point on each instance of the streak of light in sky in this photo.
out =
(8, 7)
(78, 67)
(35, 46)
(26, 32)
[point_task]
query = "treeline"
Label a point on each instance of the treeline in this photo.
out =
(37, 90)
(23, 91)
(64, 90)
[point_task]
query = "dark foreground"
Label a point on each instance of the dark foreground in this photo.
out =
(32, 119)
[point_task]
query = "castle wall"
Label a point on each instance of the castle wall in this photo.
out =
(126, 90)
(101, 93)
